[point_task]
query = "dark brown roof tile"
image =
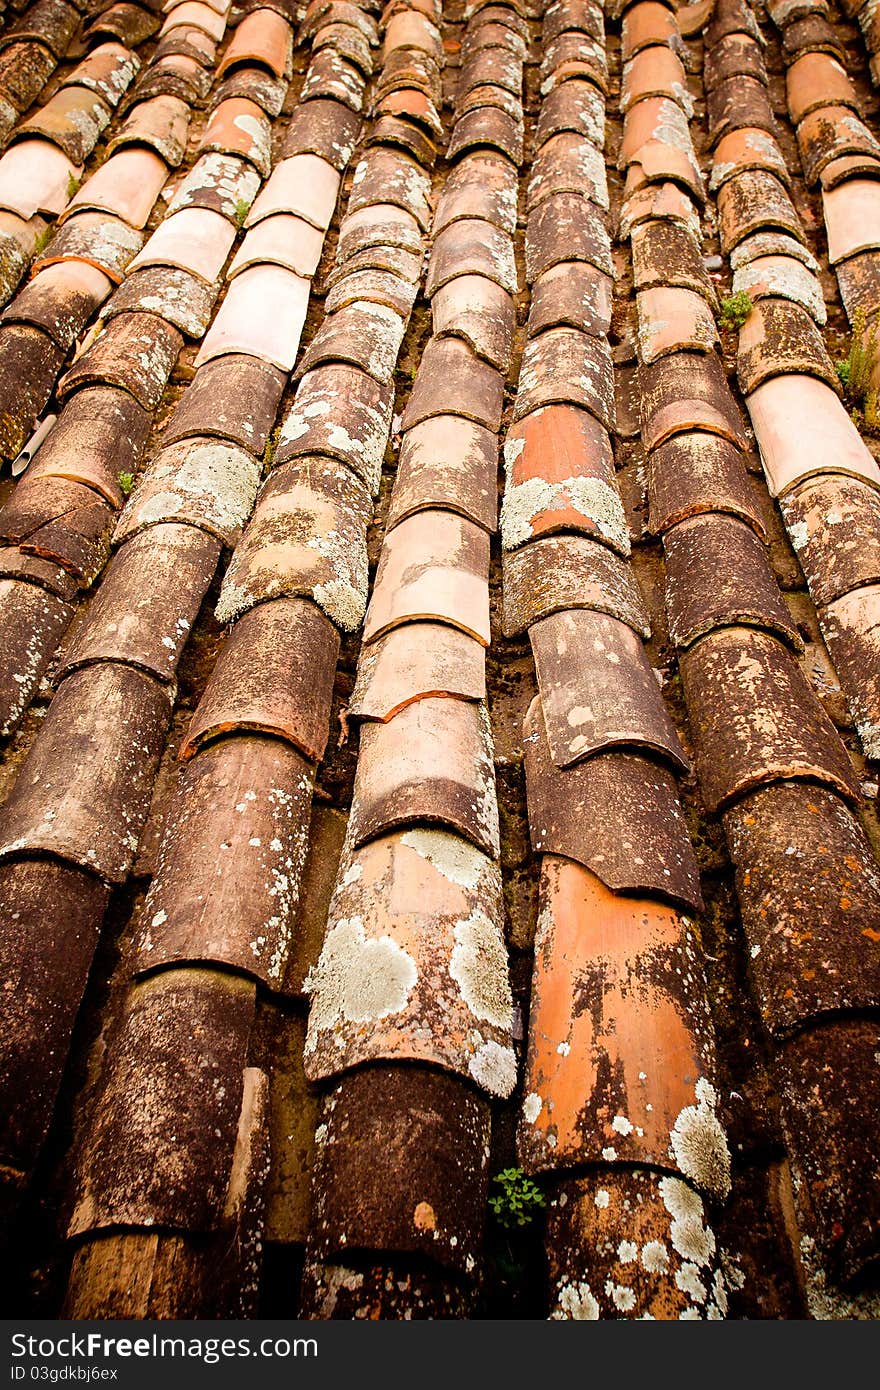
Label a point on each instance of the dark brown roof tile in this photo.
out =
(782, 277)
(755, 720)
(28, 367)
(450, 463)
(571, 810)
(574, 105)
(737, 104)
(851, 628)
(617, 1248)
(568, 163)
(830, 133)
(823, 1078)
(693, 474)
(566, 227)
(322, 127)
(431, 764)
(234, 397)
(344, 413)
(809, 892)
(53, 22)
(388, 176)
(364, 334)
(62, 521)
(488, 128)
(228, 870)
(556, 573)
(307, 537)
(598, 689)
(180, 298)
(733, 56)
(834, 524)
(718, 575)
(161, 123)
(60, 301)
(274, 675)
(665, 255)
(72, 119)
(402, 1167)
(219, 182)
(684, 392)
(751, 201)
(450, 371)
(744, 150)
(204, 482)
(16, 564)
(483, 186)
(106, 243)
(129, 23)
(810, 33)
(100, 433)
(569, 367)
(370, 286)
(780, 338)
(471, 247)
(50, 914)
(172, 1088)
(481, 313)
(32, 621)
(571, 294)
(83, 792)
(136, 352)
(147, 603)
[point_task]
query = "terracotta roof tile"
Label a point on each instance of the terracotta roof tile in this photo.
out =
(434, 565)
(718, 575)
(158, 1097)
(449, 463)
(667, 1266)
(571, 808)
(91, 816)
(46, 955)
(834, 523)
(810, 895)
(415, 662)
(432, 764)
(560, 477)
(307, 537)
(144, 610)
(758, 720)
(583, 712)
(420, 905)
(414, 1122)
(230, 860)
(555, 573)
(621, 1061)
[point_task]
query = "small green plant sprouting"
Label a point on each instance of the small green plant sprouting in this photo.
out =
(73, 184)
(126, 482)
(240, 210)
(518, 1200)
(271, 448)
(42, 241)
(856, 371)
(735, 309)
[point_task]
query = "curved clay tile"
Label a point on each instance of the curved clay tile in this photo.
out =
(415, 662)
(447, 463)
(257, 685)
(556, 573)
(572, 812)
(718, 575)
(755, 720)
(620, 1064)
(229, 866)
(413, 966)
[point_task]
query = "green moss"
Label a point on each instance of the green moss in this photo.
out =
(735, 309)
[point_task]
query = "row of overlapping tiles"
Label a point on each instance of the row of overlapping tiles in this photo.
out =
(299, 573)
(117, 691)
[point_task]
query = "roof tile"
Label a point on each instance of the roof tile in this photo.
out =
(555, 573)
(450, 463)
(415, 662)
(434, 564)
